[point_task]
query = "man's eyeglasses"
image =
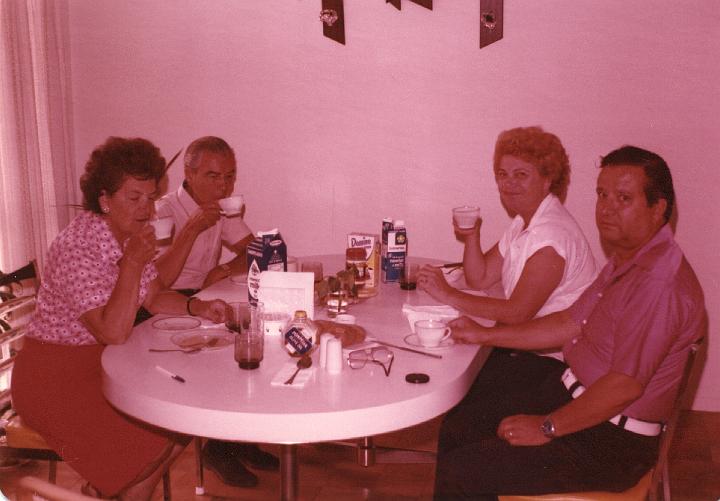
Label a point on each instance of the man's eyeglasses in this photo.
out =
(381, 356)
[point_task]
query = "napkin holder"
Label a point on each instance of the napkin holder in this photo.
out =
(287, 292)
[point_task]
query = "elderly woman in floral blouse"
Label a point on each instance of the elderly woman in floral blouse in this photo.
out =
(99, 271)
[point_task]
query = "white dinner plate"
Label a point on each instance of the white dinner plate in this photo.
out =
(176, 323)
(206, 339)
(412, 340)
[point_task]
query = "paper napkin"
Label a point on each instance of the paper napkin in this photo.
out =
(287, 370)
(439, 312)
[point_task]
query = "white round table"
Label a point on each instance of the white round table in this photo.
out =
(219, 400)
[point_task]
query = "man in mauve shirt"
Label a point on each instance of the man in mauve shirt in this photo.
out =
(594, 424)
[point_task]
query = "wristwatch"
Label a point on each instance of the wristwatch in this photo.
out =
(548, 428)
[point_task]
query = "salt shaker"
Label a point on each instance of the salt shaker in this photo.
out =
(323, 348)
(334, 356)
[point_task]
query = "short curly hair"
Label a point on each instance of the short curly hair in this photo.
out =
(539, 148)
(113, 161)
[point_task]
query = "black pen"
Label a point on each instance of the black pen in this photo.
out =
(177, 378)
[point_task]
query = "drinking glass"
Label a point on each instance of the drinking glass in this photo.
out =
(408, 278)
(314, 267)
(337, 303)
(250, 341)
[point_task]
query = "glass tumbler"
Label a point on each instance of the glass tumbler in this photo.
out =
(250, 341)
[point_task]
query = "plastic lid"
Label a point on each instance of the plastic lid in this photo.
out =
(399, 223)
(274, 231)
(300, 314)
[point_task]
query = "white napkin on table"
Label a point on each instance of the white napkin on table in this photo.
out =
(438, 312)
(287, 370)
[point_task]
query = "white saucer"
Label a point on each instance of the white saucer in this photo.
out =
(206, 339)
(176, 323)
(412, 340)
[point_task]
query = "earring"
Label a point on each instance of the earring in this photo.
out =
(105, 209)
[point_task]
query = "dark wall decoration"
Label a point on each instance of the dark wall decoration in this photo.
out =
(332, 16)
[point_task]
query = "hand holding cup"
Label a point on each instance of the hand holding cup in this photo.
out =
(232, 206)
(163, 227)
(431, 333)
(466, 221)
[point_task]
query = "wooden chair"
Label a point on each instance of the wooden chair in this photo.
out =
(19, 441)
(17, 295)
(22, 442)
(649, 485)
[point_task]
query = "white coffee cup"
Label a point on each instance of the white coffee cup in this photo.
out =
(465, 216)
(431, 333)
(231, 205)
(163, 227)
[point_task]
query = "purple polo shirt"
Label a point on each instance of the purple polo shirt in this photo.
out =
(640, 320)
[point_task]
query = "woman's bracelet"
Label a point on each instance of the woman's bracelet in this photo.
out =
(187, 306)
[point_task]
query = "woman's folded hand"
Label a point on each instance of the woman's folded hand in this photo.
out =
(212, 310)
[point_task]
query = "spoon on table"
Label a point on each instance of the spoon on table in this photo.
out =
(304, 363)
(191, 350)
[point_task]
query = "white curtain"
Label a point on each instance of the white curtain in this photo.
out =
(36, 185)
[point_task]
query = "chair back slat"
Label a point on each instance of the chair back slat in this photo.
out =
(660, 473)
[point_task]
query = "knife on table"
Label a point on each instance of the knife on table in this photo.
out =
(433, 355)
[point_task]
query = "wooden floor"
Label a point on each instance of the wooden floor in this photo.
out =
(329, 472)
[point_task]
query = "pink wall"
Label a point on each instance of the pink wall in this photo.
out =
(402, 120)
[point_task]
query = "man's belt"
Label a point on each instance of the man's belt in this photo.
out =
(630, 424)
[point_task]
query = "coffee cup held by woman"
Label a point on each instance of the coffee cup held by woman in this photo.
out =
(99, 271)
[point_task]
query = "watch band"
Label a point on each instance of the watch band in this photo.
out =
(548, 428)
(187, 306)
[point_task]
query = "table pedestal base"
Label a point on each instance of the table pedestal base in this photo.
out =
(369, 454)
(288, 472)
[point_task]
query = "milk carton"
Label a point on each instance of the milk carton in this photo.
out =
(371, 245)
(387, 225)
(266, 252)
(395, 251)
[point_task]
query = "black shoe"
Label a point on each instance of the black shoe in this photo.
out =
(251, 455)
(224, 463)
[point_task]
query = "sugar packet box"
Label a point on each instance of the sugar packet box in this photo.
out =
(371, 245)
(267, 252)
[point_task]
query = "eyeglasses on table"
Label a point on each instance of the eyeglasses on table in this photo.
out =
(378, 355)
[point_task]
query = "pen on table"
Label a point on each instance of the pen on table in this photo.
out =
(171, 374)
(433, 355)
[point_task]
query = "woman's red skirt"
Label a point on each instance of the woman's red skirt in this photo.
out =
(56, 389)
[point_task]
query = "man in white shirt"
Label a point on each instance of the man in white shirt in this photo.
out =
(192, 263)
